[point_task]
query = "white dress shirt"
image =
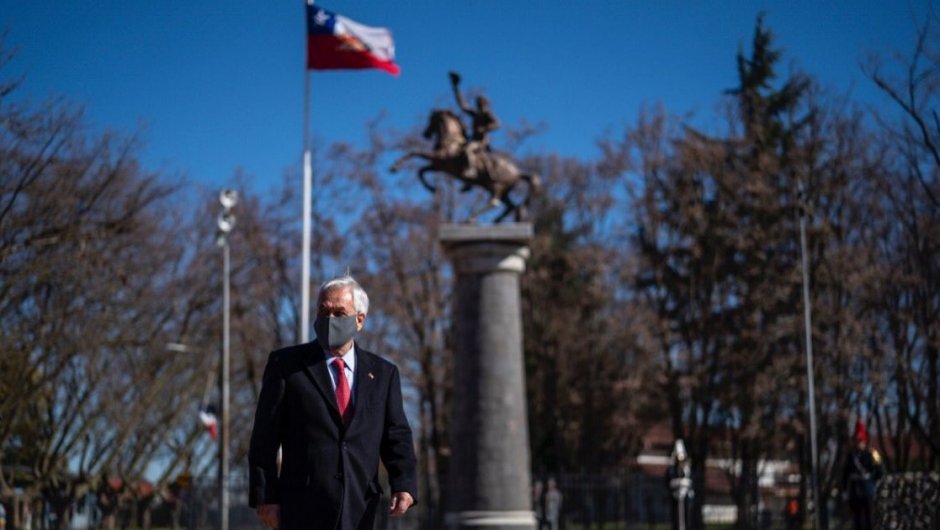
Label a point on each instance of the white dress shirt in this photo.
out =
(350, 359)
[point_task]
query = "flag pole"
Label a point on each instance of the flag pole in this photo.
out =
(308, 192)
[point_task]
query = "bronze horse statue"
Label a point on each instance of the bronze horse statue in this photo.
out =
(491, 171)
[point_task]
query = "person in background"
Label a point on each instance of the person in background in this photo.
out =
(553, 499)
(679, 478)
(538, 503)
(863, 469)
(791, 513)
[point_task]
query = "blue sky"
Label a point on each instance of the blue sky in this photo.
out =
(214, 86)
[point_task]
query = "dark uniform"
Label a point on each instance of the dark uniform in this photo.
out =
(679, 481)
(863, 468)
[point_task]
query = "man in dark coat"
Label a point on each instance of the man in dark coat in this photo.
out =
(335, 410)
(863, 468)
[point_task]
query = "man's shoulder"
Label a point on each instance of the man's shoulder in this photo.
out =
(293, 353)
(376, 360)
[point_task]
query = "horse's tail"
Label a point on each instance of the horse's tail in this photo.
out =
(535, 186)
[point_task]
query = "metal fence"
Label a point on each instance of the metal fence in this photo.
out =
(610, 502)
(625, 501)
(614, 501)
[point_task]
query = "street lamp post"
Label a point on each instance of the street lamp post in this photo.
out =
(810, 378)
(225, 222)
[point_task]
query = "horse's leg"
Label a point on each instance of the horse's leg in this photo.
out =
(493, 202)
(401, 161)
(508, 207)
(424, 179)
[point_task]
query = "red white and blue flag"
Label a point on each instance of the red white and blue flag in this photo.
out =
(208, 418)
(336, 42)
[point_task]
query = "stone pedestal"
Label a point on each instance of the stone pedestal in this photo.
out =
(489, 480)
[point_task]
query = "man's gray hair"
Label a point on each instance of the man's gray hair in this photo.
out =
(360, 298)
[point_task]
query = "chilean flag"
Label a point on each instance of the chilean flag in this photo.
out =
(336, 42)
(208, 418)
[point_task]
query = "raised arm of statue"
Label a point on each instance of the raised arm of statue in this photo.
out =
(461, 102)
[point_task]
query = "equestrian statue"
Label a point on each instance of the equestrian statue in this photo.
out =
(471, 160)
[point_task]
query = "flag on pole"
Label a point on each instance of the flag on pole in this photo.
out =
(208, 418)
(336, 42)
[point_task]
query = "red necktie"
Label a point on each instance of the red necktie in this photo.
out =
(342, 389)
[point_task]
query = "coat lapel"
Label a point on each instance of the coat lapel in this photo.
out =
(365, 383)
(316, 367)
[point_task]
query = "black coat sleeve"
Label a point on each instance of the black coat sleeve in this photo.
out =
(398, 453)
(266, 436)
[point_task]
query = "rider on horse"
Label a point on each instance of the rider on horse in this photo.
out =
(483, 121)
(471, 161)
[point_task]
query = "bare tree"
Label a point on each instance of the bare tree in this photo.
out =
(79, 218)
(717, 236)
(909, 305)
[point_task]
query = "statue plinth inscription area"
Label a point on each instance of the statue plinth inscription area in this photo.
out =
(489, 478)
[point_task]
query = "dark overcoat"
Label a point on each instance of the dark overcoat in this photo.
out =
(329, 472)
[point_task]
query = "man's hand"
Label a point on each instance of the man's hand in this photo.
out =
(454, 78)
(401, 501)
(270, 515)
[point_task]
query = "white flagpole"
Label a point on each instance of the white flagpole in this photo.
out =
(308, 193)
(305, 273)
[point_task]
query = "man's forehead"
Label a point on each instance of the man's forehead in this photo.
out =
(340, 294)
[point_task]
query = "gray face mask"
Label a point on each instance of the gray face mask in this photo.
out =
(333, 332)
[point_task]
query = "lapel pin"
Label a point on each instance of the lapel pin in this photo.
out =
(371, 376)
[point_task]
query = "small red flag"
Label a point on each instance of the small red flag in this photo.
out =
(207, 417)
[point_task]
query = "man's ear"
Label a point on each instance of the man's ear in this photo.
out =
(360, 321)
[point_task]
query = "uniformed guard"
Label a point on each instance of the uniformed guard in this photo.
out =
(679, 477)
(863, 469)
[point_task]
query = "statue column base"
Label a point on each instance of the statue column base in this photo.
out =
(493, 520)
(489, 483)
